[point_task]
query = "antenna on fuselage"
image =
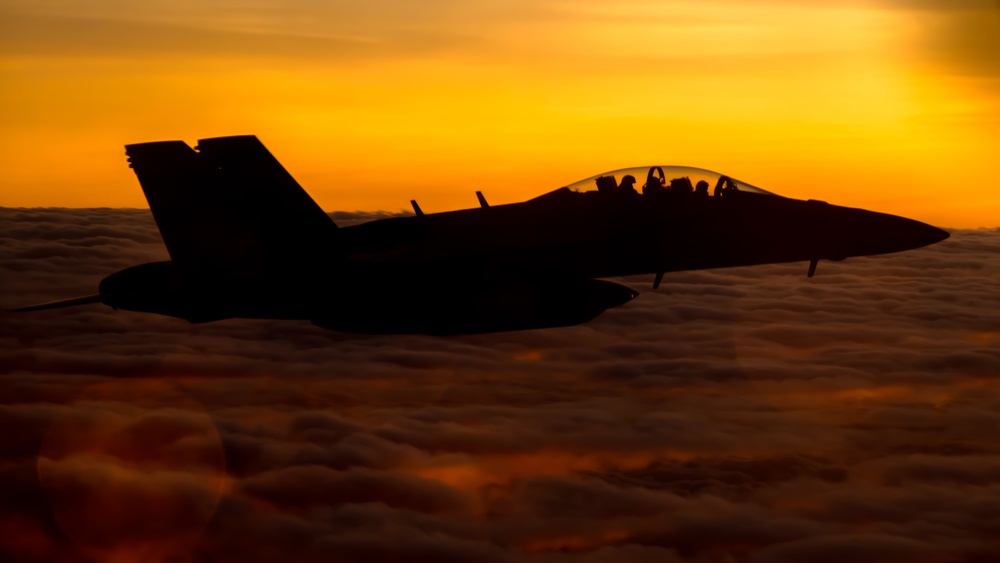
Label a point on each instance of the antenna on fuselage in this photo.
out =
(659, 278)
(416, 208)
(812, 267)
(482, 199)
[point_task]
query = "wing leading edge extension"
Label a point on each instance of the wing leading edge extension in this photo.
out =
(87, 300)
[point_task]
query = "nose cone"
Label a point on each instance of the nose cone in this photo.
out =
(926, 235)
(609, 294)
(880, 233)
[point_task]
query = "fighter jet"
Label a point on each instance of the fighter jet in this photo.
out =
(246, 241)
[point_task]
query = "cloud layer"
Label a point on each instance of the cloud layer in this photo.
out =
(733, 415)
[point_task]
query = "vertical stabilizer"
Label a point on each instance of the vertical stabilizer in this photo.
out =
(229, 205)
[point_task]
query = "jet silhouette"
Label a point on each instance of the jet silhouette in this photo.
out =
(246, 241)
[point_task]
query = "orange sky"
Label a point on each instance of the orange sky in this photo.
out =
(892, 105)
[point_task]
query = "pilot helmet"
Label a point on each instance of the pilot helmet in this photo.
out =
(628, 180)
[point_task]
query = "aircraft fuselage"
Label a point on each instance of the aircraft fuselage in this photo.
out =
(246, 241)
(402, 273)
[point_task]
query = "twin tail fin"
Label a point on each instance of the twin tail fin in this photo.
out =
(229, 205)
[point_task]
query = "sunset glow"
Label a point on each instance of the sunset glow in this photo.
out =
(861, 103)
(596, 377)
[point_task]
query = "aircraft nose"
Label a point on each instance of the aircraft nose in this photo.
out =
(928, 234)
(880, 233)
(619, 295)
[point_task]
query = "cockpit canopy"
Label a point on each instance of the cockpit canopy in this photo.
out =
(664, 179)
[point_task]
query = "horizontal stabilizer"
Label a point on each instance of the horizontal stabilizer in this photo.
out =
(90, 299)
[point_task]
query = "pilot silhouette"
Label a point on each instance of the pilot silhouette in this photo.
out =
(701, 188)
(628, 184)
(681, 185)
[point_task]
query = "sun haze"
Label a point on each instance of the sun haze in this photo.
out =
(891, 105)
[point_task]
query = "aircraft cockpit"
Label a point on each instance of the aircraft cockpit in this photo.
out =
(656, 180)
